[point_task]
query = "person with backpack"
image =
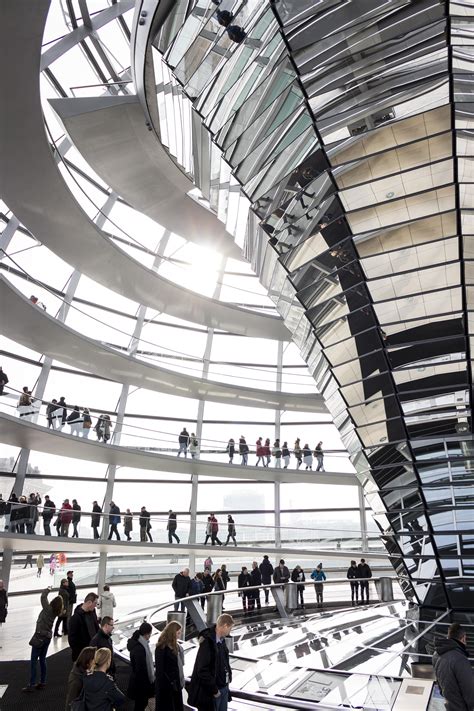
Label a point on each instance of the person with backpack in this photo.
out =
(193, 446)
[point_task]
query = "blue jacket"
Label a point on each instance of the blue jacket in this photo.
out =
(114, 515)
(318, 575)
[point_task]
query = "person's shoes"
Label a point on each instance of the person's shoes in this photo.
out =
(40, 686)
(28, 689)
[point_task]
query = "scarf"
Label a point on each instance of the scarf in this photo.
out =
(181, 665)
(149, 659)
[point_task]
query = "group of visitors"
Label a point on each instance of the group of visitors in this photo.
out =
(280, 453)
(91, 681)
(22, 515)
(59, 413)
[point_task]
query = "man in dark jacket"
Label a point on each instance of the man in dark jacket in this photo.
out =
(364, 573)
(114, 520)
(95, 518)
(145, 526)
(183, 441)
(83, 625)
(103, 638)
(266, 569)
(352, 575)
(454, 673)
(255, 579)
(49, 509)
(281, 573)
(172, 526)
(182, 587)
(209, 688)
(76, 517)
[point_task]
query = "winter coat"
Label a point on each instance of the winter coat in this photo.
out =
(285, 452)
(45, 621)
(197, 586)
(106, 604)
(3, 605)
(184, 438)
(364, 571)
(231, 528)
(214, 525)
(72, 592)
(243, 446)
(276, 451)
(193, 445)
(114, 515)
(49, 509)
(139, 684)
(203, 685)
(454, 674)
(225, 578)
(266, 569)
(218, 583)
(208, 583)
(244, 581)
(74, 685)
(181, 585)
(172, 522)
(318, 576)
(74, 418)
(352, 572)
(169, 695)
(266, 449)
(255, 579)
(95, 517)
(62, 404)
(127, 523)
(63, 591)
(76, 516)
(101, 692)
(80, 628)
(144, 520)
(104, 641)
(298, 576)
(230, 448)
(259, 448)
(66, 513)
(281, 575)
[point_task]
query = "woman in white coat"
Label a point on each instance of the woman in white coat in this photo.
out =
(106, 603)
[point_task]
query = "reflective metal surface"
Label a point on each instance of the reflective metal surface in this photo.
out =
(348, 127)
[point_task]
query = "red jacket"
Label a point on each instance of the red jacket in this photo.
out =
(66, 513)
(214, 524)
(260, 449)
